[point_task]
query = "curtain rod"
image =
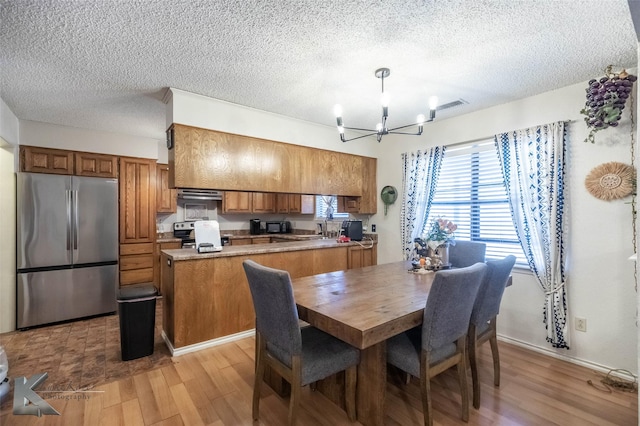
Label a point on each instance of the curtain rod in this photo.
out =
(466, 142)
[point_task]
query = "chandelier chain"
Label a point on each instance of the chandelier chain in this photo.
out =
(634, 212)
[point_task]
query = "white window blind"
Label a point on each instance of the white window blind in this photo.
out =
(321, 207)
(471, 193)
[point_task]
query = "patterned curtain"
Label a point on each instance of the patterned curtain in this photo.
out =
(533, 165)
(420, 176)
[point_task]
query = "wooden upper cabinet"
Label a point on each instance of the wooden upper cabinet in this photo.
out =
(46, 160)
(249, 202)
(137, 181)
(284, 203)
(264, 202)
(166, 198)
(302, 204)
(307, 204)
(210, 159)
(368, 203)
(236, 202)
(96, 165)
(62, 162)
(349, 205)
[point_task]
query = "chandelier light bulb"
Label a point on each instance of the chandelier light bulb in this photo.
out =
(420, 119)
(337, 110)
(379, 127)
(433, 102)
(341, 130)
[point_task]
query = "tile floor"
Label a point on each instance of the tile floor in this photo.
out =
(79, 354)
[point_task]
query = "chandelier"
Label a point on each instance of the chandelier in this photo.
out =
(381, 128)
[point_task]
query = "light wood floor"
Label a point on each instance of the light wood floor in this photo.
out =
(213, 387)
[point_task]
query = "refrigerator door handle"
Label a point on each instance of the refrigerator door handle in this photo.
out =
(75, 221)
(67, 194)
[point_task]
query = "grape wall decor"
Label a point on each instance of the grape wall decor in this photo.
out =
(606, 98)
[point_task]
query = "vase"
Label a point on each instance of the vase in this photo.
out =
(440, 253)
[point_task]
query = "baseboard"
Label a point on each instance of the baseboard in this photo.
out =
(549, 352)
(207, 344)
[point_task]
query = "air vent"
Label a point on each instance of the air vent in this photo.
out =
(451, 104)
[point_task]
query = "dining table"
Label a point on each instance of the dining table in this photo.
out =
(364, 307)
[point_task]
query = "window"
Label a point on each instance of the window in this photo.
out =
(322, 204)
(471, 193)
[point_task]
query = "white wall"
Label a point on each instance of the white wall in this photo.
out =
(200, 111)
(600, 278)
(9, 126)
(8, 238)
(47, 135)
(9, 134)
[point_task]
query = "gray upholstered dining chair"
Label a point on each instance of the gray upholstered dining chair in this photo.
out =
(300, 356)
(482, 326)
(440, 342)
(466, 253)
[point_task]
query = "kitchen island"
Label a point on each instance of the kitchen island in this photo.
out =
(206, 298)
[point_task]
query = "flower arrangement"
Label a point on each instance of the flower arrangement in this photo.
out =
(442, 231)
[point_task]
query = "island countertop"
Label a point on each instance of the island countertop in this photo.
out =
(206, 295)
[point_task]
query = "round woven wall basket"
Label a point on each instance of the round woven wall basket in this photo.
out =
(610, 181)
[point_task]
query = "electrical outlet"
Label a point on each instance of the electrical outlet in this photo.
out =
(373, 228)
(581, 324)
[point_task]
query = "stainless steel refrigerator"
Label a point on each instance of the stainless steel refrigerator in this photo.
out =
(66, 246)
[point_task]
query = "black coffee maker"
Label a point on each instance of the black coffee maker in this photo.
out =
(254, 226)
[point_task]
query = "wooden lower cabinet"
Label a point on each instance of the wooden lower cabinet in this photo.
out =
(359, 257)
(137, 263)
(157, 272)
(261, 240)
(240, 241)
(208, 298)
(253, 240)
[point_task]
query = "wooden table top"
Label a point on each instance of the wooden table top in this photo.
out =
(364, 306)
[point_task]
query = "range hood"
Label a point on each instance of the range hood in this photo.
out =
(199, 194)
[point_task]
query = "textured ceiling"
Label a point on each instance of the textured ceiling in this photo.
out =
(106, 64)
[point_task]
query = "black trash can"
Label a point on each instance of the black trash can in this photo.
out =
(137, 311)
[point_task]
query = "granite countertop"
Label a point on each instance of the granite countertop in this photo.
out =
(170, 239)
(243, 250)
